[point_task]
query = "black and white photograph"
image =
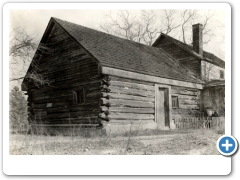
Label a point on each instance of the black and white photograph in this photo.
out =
(117, 89)
(116, 82)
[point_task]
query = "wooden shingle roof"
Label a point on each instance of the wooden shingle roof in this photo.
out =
(119, 53)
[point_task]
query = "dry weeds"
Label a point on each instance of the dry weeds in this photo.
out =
(147, 142)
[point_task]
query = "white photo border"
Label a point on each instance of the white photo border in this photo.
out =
(106, 164)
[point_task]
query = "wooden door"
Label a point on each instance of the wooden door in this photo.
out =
(162, 108)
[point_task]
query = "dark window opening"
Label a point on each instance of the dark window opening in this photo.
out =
(79, 97)
(74, 97)
(221, 74)
(175, 102)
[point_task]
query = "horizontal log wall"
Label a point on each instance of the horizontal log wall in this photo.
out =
(127, 100)
(57, 106)
(68, 67)
(188, 100)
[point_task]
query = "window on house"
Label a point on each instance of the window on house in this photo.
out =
(79, 97)
(175, 102)
(221, 74)
(75, 97)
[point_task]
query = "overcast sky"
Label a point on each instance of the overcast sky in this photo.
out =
(35, 21)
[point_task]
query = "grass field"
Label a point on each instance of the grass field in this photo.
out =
(147, 142)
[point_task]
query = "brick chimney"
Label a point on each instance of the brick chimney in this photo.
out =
(197, 38)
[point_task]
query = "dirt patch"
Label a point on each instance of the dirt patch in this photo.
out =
(148, 142)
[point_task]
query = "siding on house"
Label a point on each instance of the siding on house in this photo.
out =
(211, 71)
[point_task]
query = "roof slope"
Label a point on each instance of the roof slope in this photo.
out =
(206, 55)
(123, 54)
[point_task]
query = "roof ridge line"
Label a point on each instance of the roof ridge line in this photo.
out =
(70, 28)
(190, 51)
(102, 32)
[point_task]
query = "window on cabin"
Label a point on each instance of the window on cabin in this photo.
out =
(175, 102)
(221, 74)
(75, 97)
(79, 97)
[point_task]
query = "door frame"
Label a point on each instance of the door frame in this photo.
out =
(157, 87)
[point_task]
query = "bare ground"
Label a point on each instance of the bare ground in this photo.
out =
(148, 142)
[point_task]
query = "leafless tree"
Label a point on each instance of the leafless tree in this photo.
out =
(208, 32)
(187, 17)
(125, 27)
(142, 27)
(146, 25)
(168, 22)
(150, 29)
(207, 70)
(190, 17)
(22, 48)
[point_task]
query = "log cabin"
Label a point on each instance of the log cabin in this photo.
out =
(89, 78)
